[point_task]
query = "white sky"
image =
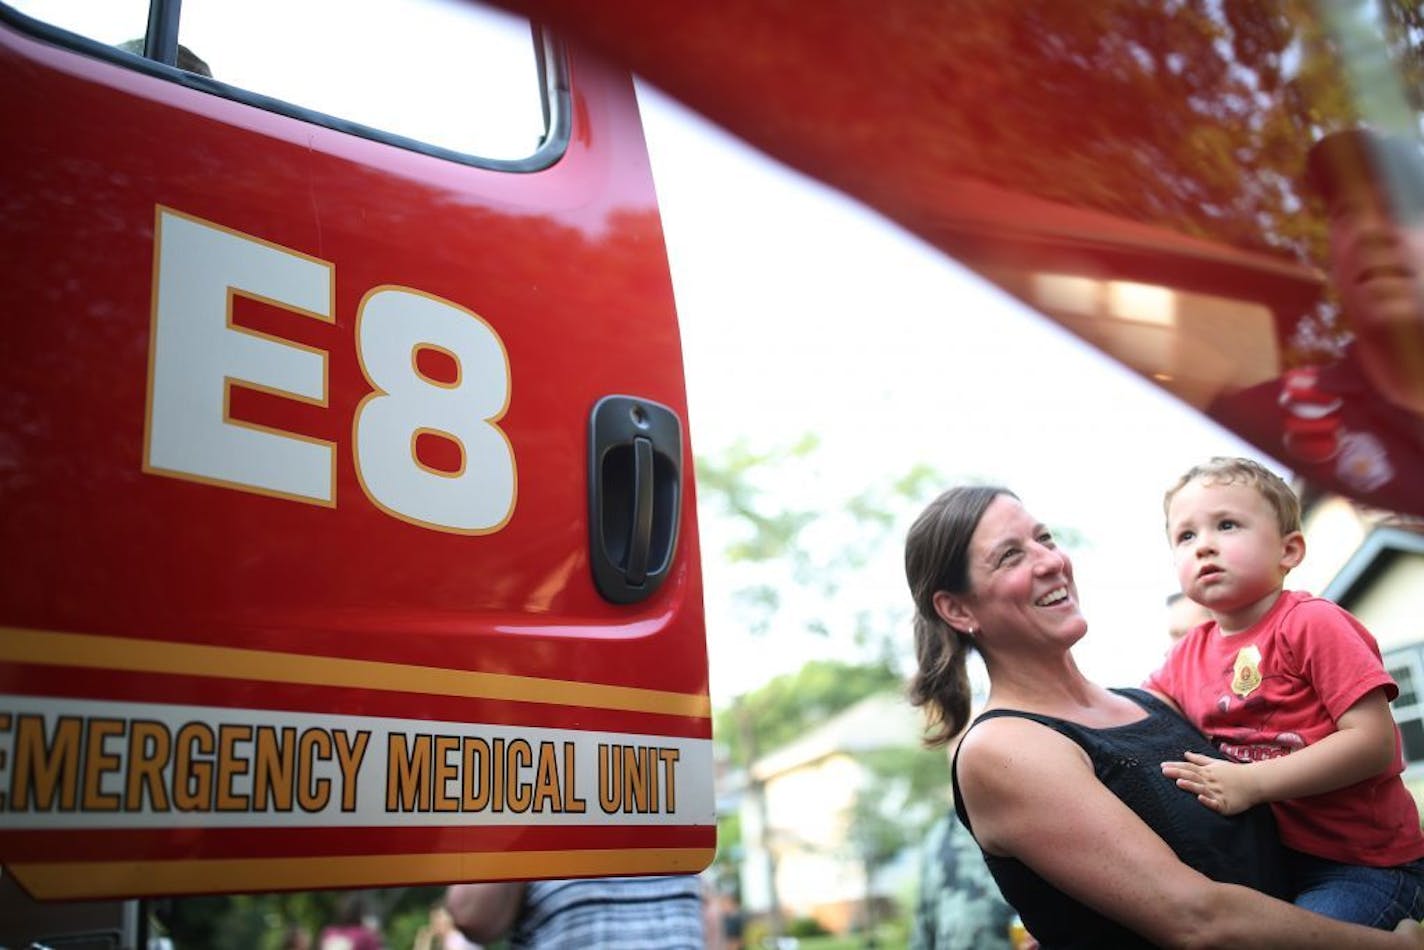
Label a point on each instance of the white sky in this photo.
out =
(801, 311)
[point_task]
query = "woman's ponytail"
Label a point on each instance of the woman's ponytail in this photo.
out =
(937, 560)
(941, 680)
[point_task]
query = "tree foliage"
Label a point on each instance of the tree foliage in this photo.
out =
(1194, 114)
(264, 921)
(795, 554)
(790, 704)
(904, 793)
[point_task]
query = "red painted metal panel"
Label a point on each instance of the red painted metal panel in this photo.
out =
(339, 607)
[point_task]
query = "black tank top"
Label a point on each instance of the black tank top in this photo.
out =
(1241, 849)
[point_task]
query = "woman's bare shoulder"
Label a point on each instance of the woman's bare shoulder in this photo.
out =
(1001, 770)
(1009, 742)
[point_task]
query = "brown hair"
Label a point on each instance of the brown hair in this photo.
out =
(1388, 164)
(1226, 470)
(937, 559)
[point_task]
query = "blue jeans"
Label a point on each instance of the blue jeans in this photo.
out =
(1375, 897)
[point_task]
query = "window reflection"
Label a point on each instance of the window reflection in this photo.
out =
(1197, 344)
(1155, 188)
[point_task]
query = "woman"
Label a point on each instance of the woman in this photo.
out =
(1060, 780)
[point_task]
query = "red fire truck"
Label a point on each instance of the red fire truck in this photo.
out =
(347, 483)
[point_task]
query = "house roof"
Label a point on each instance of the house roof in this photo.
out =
(1379, 548)
(882, 720)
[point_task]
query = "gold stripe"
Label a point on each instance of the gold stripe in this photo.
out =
(79, 879)
(159, 656)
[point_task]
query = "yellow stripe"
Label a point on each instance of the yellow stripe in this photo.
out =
(159, 656)
(75, 879)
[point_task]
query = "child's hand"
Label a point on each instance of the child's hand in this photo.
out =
(1225, 787)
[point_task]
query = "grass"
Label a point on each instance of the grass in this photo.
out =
(886, 938)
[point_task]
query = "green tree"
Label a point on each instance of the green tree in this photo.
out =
(904, 793)
(262, 921)
(796, 555)
(790, 704)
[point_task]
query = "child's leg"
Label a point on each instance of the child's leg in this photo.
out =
(1375, 897)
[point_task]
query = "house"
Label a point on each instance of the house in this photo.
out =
(1372, 563)
(799, 823)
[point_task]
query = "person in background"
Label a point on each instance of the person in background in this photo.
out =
(1293, 690)
(958, 905)
(1373, 187)
(611, 913)
(729, 924)
(441, 933)
(188, 61)
(1348, 414)
(1184, 614)
(1058, 780)
(350, 929)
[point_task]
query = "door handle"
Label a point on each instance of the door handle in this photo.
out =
(635, 495)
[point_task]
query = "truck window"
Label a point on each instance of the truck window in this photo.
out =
(463, 79)
(112, 23)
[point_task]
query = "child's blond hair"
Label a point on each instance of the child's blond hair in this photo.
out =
(1227, 470)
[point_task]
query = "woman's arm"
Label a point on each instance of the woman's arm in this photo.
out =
(1032, 795)
(1361, 747)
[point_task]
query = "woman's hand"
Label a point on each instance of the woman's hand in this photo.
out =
(1411, 929)
(1226, 787)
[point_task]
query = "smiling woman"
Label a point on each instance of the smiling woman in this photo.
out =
(1058, 767)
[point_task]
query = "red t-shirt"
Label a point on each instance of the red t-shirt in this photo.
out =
(1281, 685)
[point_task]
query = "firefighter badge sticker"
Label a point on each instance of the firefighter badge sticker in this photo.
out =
(1247, 672)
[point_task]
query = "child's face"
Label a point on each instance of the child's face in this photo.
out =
(1227, 545)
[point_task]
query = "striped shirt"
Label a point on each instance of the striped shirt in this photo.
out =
(611, 913)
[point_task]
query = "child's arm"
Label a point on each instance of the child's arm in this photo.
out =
(1362, 746)
(1162, 682)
